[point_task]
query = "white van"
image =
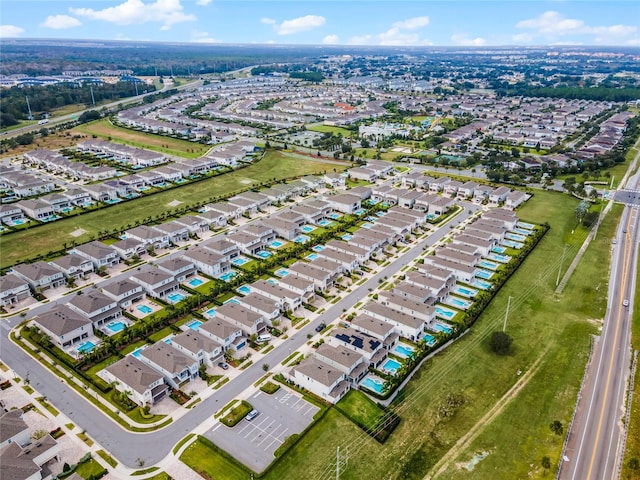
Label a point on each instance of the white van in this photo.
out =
(264, 338)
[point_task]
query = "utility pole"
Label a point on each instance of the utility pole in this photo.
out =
(338, 464)
(92, 97)
(561, 261)
(29, 108)
(506, 314)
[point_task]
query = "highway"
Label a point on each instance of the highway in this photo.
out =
(127, 446)
(595, 441)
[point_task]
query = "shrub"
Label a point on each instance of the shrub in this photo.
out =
(500, 343)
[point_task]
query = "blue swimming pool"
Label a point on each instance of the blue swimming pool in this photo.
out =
(318, 248)
(116, 327)
(403, 350)
(18, 221)
(307, 229)
(445, 312)
(244, 289)
(484, 274)
(346, 237)
(211, 312)
(144, 309)
(232, 300)
(272, 281)
(430, 339)
(391, 366)
(282, 272)
(264, 254)
(515, 236)
(195, 282)
(458, 302)
(521, 231)
(301, 239)
(228, 276)
(195, 324)
(488, 264)
(499, 258)
(334, 216)
(85, 347)
(360, 211)
(370, 218)
(239, 261)
(465, 292)
(481, 284)
(325, 223)
(312, 256)
(441, 327)
(380, 214)
(498, 249)
(176, 297)
(276, 244)
(373, 384)
(367, 225)
(525, 225)
(512, 244)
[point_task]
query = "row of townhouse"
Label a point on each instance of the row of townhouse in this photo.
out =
(19, 184)
(57, 163)
(122, 153)
(371, 172)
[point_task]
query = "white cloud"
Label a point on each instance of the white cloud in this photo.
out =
(203, 37)
(8, 31)
(58, 22)
(552, 25)
(203, 3)
(465, 40)
(412, 23)
(134, 12)
(300, 24)
(397, 35)
(521, 38)
(330, 39)
(267, 21)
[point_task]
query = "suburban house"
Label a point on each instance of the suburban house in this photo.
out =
(155, 282)
(352, 364)
(64, 326)
(129, 247)
(222, 246)
(13, 289)
(500, 215)
(150, 236)
(176, 232)
(462, 273)
(286, 298)
(195, 224)
(96, 306)
(206, 261)
(102, 256)
(249, 321)
(322, 279)
(482, 246)
(366, 345)
(176, 367)
(142, 384)
(247, 243)
(126, 292)
(180, 268)
(326, 381)
(221, 331)
(9, 214)
(73, 267)
(404, 324)
(268, 308)
(403, 304)
(39, 275)
(36, 209)
(515, 199)
(344, 202)
(301, 286)
(334, 180)
(201, 348)
(499, 195)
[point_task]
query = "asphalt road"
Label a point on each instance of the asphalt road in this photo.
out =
(127, 446)
(595, 441)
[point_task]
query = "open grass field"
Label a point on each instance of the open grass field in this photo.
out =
(24, 244)
(211, 464)
(360, 408)
(556, 329)
(335, 130)
(173, 146)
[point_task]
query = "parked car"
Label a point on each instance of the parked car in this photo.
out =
(321, 327)
(252, 414)
(223, 365)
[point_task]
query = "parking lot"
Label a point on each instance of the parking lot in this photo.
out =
(254, 442)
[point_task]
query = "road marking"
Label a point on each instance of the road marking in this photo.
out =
(625, 266)
(257, 394)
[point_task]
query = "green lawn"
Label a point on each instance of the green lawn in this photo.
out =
(159, 143)
(19, 246)
(327, 128)
(211, 463)
(540, 325)
(86, 469)
(361, 409)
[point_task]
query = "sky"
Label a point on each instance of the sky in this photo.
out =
(345, 22)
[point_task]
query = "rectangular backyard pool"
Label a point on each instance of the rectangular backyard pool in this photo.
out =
(116, 327)
(144, 309)
(195, 282)
(484, 274)
(391, 366)
(239, 261)
(276, 244)
(176, 297)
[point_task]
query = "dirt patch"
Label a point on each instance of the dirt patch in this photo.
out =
(246, 181)
(77, 232)
(174, 203)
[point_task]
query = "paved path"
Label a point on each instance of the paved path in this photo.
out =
(127, 446)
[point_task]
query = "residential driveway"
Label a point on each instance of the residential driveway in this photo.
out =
(254, 442)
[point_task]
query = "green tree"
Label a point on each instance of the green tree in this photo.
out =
(546, 463)
(557, 427)
(500, 343)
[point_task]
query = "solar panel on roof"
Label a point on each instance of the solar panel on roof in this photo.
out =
(357, 342)
(374, 344)
(343, 337)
